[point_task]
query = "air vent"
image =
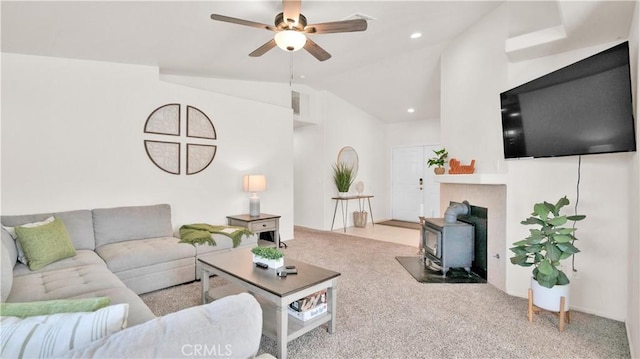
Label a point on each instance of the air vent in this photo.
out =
(360, 16)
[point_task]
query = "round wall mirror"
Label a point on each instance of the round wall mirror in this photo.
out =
(349, 156)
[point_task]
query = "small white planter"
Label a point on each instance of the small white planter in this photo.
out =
(343, 194)
(549, 298)
(272, 263)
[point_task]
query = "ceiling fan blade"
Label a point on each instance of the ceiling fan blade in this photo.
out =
(234, 20)
(291, 10)
(264, 48)
(317, 51)
(336, 26)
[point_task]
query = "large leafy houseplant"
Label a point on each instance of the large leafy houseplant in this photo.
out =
(548, 244)
(343, 176)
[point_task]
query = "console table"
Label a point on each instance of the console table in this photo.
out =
(344, 207)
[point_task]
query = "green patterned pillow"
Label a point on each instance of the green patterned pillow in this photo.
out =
(45, 244)
(51, 336)
(31, 309)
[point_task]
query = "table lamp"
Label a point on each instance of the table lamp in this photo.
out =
(254, 184)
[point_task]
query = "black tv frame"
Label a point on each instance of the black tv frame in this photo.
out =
(514, 128)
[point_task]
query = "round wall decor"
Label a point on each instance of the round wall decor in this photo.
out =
(165, 152)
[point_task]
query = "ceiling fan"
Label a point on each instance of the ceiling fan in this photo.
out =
(290, 28)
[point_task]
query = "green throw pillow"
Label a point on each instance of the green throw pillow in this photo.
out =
(45, 244)
(32, 309)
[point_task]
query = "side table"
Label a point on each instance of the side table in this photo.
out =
(262, 223)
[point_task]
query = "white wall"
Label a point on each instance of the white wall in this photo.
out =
(633, 301)
(346, 125)
(265, 92)
(316, 149)
(73, 138)
(310, 160)
(474, 72)
(413, 133)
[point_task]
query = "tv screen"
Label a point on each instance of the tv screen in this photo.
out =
(584, 108)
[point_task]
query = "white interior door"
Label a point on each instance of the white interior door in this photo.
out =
(413, 189)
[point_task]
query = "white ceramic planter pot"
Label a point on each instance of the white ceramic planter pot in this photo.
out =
(343, 194)
(272, 263)
(549, 298)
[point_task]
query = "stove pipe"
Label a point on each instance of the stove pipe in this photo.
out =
(452, 212)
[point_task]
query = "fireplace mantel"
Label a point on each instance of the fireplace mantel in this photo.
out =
(476, 178)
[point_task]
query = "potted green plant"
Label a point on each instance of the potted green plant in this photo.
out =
(268, 255)
(544, 249)
(438, 161)
(343, 177)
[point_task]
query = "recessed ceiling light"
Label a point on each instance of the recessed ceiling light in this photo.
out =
(411, 110)
(415, 35)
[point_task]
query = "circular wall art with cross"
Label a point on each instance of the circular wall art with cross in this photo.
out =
(166, 155)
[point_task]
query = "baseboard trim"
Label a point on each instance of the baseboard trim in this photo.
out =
(632, 350)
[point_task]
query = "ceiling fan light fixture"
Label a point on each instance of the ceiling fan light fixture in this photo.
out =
(290, 40)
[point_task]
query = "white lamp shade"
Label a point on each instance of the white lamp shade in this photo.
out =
(254, 183)
(290, 40)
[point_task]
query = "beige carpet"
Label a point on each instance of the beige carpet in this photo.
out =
(383, 312)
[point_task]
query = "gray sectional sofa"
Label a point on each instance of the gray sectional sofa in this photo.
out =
(120, 253)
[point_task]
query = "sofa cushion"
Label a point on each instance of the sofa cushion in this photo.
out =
(139, 312)
(224, 242)
(45, 244)
(62, 283)
(10, 245)
(79, 225)
(32, 309)
(229, 327)
(112, 225)
(6, 273)
(50, 336)
(159, 276)
(83, 257)
(12, 231)
(141, 253)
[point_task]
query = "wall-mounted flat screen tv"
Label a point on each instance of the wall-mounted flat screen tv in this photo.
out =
(584, 108)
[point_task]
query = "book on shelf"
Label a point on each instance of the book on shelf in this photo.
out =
(310, 301)
(308, 314)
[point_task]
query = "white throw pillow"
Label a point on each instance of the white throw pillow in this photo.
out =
(12, 232)
(50, 336)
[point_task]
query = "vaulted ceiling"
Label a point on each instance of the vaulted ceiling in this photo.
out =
(382, 70)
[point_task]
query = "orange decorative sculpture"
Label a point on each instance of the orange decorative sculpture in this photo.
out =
(455, 168)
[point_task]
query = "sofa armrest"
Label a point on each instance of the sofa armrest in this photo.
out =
(228, 327)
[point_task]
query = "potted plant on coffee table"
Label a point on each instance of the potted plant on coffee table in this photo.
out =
(268, 255)
(343, 178)
(544, 249)
(438, 161)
